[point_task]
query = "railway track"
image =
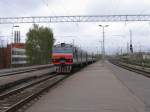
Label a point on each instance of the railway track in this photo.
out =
(23, 70)
(11, 101)
(15, 99)
(138, 70)
(21, 80)
(22, 85)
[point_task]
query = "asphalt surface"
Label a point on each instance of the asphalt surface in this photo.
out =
(136, 83)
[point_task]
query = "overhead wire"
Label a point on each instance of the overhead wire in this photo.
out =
(64, 8)
(14, 7)
(46, 3)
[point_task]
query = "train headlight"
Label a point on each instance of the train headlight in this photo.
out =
(69, 60)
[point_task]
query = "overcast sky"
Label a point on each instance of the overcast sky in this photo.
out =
(86, 35)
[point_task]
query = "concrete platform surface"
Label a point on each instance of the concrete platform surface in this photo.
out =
(93, 89)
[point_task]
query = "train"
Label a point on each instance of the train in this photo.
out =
(65, 57)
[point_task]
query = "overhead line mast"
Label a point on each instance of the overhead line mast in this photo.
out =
(79, 18)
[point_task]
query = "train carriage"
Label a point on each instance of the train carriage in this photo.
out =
(66, 56)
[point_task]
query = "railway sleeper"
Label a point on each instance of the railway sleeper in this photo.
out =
(15, 83)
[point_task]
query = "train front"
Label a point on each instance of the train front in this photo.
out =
(62, 57)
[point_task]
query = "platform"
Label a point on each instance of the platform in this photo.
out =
(93, 89)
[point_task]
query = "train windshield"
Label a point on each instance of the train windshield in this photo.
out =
(62, 50)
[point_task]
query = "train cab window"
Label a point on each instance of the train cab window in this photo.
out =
(75, 51)
(62, 44)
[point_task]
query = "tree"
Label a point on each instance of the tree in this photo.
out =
(39, 44)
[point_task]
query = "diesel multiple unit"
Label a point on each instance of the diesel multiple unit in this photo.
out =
(66, 56)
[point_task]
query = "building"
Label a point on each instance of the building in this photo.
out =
(14, 55)
(3, 51)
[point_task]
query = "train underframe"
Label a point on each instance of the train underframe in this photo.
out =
(63, 68)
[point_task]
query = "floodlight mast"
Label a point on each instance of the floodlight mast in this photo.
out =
(103, 42)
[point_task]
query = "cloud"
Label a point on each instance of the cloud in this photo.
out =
(118, 7)
(18, 7)
(85, 34)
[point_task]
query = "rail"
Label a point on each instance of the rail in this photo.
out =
(20, 96)
(132, 68)
(15, 71)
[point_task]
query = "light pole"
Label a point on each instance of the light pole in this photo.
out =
(97, 51)
(103, 45)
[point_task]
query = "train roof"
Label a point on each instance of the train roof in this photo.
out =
(63, 45)
(68, 46)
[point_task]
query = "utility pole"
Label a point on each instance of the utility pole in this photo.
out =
(101, 47)
(131, 46)
(120, 50)
(73, 42)
(103, 43)
(128, 48)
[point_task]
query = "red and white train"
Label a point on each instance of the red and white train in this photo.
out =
(66, 56)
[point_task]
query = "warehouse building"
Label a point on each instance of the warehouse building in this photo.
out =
(2, 57)
(14, 55)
